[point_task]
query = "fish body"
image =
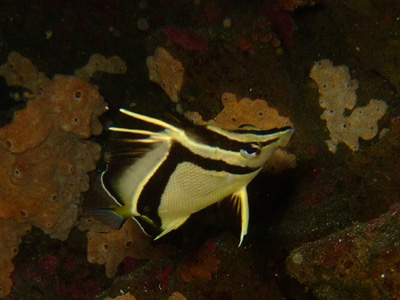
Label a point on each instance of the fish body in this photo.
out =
(179, 173)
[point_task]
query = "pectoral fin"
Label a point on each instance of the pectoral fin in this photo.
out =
(235, 207)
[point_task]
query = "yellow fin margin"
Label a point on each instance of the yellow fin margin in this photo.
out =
(241, 203)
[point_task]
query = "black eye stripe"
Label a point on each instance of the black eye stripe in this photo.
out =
(214, 139)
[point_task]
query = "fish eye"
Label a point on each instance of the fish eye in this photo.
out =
(252, 151)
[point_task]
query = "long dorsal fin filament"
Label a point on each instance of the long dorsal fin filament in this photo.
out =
(148, 119)
(134, 131)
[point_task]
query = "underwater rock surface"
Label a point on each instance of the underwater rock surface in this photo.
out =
(359, 262)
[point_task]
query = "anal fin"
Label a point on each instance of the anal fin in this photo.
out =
(168, 226)
(155, 230)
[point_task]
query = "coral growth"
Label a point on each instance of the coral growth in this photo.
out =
(45, 156)
(338, 94)
(99, 63)
(111, 247)
(194, 117)
(246, 111)
(19, 71)
(44, 159)
(67, 103)
(167, 72)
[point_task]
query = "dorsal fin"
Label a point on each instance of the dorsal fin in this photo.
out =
(145, 119)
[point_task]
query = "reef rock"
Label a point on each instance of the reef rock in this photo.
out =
(10, 238)
(359, 262)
